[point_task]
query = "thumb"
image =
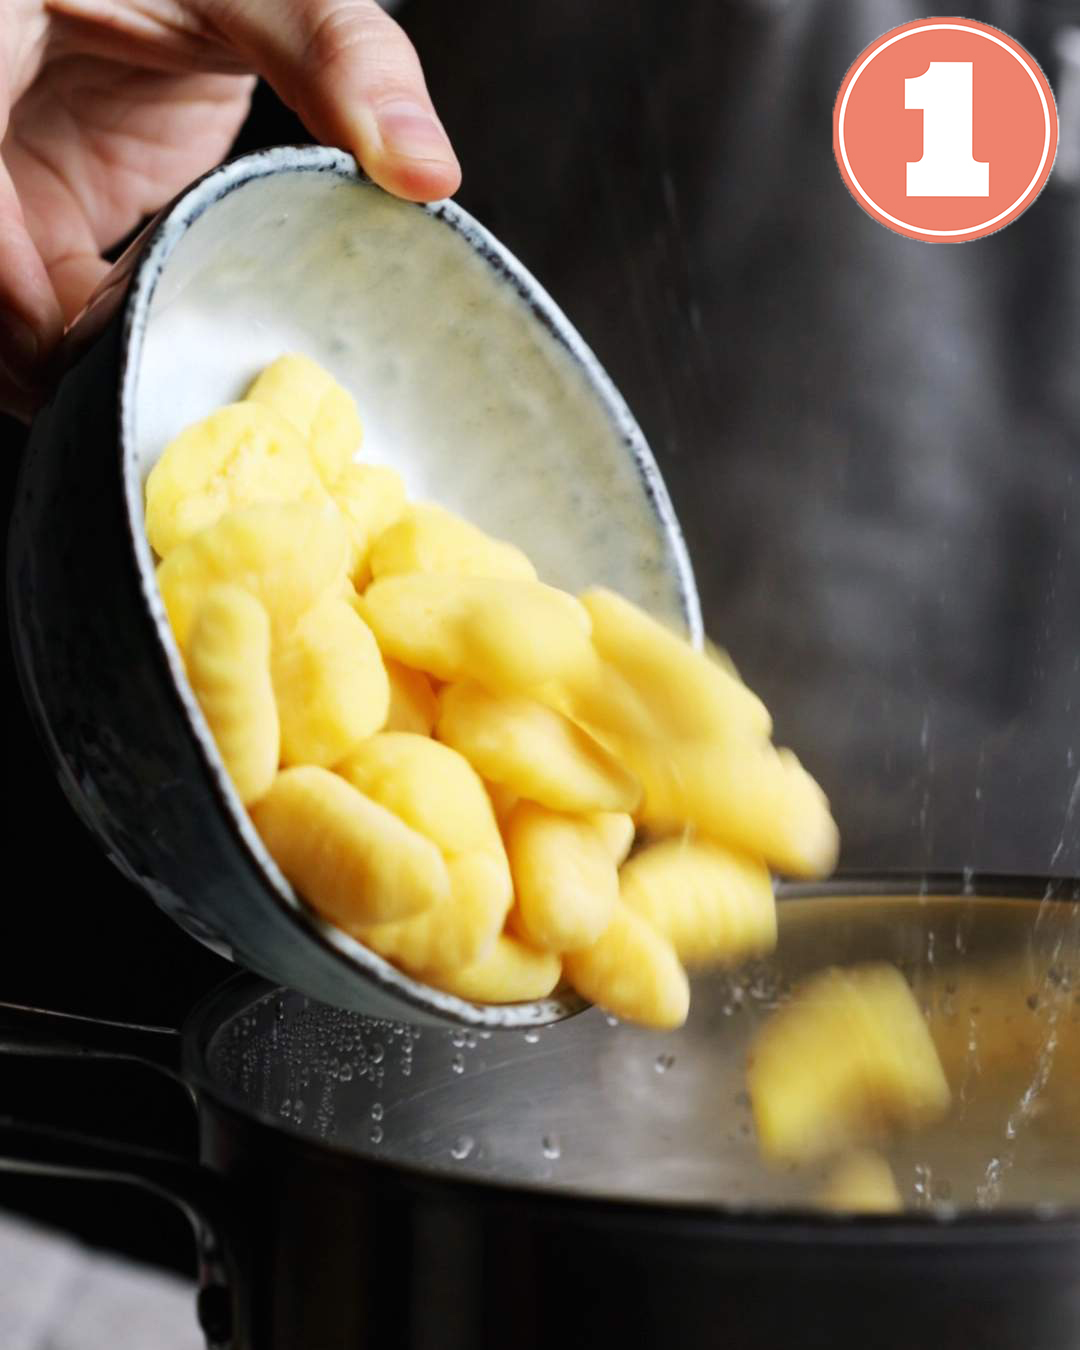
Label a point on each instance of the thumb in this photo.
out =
(354, 78)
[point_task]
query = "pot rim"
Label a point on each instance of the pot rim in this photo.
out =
(1050, 1222)
(146, 271)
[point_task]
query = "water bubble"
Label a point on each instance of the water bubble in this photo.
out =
(345, 1072)
(612, 1021)
(376, 1134)
(377, 1053)
(457, 1039)
(531, 1037)
(462, 1147)
(298, 1112)
(377, 1111)
(550, 1146)
(457, 1064)
(663, 1063)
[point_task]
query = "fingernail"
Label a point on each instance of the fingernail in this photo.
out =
(18, 344)
(411, 131)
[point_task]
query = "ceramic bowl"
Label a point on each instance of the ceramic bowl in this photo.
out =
(471, 383)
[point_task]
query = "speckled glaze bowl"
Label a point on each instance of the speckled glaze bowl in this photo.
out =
(471, 383)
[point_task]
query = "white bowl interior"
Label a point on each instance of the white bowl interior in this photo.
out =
(462, 384)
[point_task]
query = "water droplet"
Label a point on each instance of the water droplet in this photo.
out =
(298, 1112)
(377, 1111)
(550, 1146)
(457, 1039)
(462, 1147)
(377, 1053)
(612, 1021)
(663, 1063)
(457, 1064)
(531, 1037)
(376, 1134)
(345, 1072)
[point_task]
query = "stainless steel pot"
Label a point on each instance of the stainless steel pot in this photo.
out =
(364, 1182)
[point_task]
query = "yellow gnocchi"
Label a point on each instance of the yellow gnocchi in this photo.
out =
(429, 539)
(413, 704)
(430, 786)
(351, 859)
(299, 390)
(240, 455)
(533, 751)
(565, 880)
(633, 972)
(458, 933)
(713, 906)
(861, 1183)
(370, 497)
(450, 760)
(848, 1060)
(743, 792)
(512, 972)
(331, 686)
(510, 634)
(228, 665)
(287, 555)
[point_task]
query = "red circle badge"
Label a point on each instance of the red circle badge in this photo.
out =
(945, 130)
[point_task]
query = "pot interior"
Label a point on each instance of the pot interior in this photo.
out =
(611, 1110)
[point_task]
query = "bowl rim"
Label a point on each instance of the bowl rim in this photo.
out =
(788, 1223)
(158, 246)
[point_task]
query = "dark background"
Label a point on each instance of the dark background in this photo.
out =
(873, 444)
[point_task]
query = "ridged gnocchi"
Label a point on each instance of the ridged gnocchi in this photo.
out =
(494, 784)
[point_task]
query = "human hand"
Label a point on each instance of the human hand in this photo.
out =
(109, 107)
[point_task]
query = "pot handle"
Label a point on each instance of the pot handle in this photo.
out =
(42, 1032)
(202, 1195)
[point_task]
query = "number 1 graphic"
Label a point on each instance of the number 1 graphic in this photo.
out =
(947, 167)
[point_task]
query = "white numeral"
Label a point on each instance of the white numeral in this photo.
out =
(947, 167)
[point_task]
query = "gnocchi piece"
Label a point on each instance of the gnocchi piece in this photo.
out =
(429, 539)
(713, 906)
(413, 705)
(503, 801)
(370, 497)
(298, 389)
(430, 787)
(331, 687)
(510, 635)
(633, 972)
(228, 667)
(457, 933)
(351, 859)
(689, 694)
(861, 1183)
(512, 972)
(848, 1060)
(240, 455)
(744, 793)
(616, 829)
(286, 555)
(533, 751)
(565, 880)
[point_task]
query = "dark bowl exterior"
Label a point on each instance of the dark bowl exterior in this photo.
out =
(341, 1253)
(98, 685)
(91, 664)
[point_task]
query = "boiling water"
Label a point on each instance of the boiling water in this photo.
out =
(615, 1110)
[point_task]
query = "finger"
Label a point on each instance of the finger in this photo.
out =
(355, 79)
(31, 320)
(75, 277)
